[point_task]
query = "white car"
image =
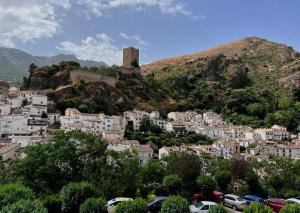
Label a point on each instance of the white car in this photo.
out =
(294, 200)
(201, 207)
(111, 204)
(235, 202)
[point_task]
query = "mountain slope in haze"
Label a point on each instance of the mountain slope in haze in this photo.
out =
(14, 63)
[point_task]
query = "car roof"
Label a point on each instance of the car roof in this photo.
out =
(293, 199)
(157, 199)
(252, 197)
(208, 203)
(232, 195)
(278, 200)
(118, 199)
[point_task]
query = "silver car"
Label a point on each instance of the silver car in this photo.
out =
(235, 202)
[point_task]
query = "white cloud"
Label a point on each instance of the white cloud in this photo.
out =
(98, 7)
(100, 48)
(27, 20)
(135, 38)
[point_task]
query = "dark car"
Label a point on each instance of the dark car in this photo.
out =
(276, 204)
(254, 198)
(154, 206)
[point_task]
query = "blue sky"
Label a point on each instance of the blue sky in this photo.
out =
(99, 29)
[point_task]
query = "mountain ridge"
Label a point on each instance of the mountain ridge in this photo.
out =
(14, 63)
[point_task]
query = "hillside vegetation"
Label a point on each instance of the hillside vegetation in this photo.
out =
(251, 82)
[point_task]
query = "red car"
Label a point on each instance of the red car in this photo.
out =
(217, 197)
(276, 204)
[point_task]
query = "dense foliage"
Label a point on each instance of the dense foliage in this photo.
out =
(217, 209)
(137, 205)
(175, 204)
(93, 205)
(75, 169)
(257, 208)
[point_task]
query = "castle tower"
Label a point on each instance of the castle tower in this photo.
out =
(130, 58)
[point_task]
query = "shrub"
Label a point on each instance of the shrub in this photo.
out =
(257, 208)
(138, 205)
(52, 203)
(10, 193)
(206, 184)
(94, 205)
(25, 206)
(74, 194)
(290, 209)
(172, 183)
(217, 209)
(175, 204)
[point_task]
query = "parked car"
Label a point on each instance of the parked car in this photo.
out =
(201, 207)
(111, 204)
(216, 196)
(235, 202)
(295, 200)
(254, 198)
(276, 204)
(154, 206)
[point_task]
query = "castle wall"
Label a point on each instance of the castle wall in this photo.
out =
(77, 75)
(4, 88)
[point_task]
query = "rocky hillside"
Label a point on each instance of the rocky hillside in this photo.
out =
(251, 82)
(14, 63)
(246, 80)
(248, 62)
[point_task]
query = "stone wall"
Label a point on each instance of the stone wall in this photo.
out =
(4, 88)
(78, 75)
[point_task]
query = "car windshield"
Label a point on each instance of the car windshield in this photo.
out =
(239, 199)
(198, 205)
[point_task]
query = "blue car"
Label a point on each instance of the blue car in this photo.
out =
(155, 205)
(254, 198)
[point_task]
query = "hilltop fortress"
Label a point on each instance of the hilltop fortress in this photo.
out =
(52, 77)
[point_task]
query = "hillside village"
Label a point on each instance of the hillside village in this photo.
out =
(27, 118)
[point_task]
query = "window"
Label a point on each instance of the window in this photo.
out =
(205, 207)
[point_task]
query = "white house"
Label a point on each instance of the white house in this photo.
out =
(5, 108)
(178, 127)
(165, 151)
(8, 152)
(144, 152)
(227, 148)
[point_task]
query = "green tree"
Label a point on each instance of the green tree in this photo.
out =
(145, 124)
(93, 205)
(151, 177)
(52, 203)
(239, 168)
(175, 204)
(138, 205)
(25, 206)
(74, 194)
(284, 103)
(186, 166)
(257, 208)
(173, 184)
(290, 209)
(112, 179)
(206, 184)
(217, 209)
(11, 193)
(71, 156)
(223, 179)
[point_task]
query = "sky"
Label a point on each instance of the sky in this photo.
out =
(99, 29)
